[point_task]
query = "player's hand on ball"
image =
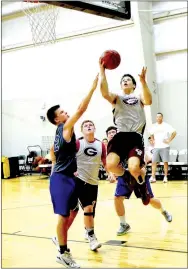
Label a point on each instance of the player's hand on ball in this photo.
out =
(101, 65)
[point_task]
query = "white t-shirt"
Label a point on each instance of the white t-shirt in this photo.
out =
(160, 132)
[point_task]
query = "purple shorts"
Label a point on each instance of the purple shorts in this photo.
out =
(123, 188)
(63, 193)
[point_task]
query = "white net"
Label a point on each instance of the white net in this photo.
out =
(42, 18)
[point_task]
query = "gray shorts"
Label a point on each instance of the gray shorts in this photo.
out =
(160, 155)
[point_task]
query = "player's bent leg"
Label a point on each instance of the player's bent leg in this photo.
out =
(112, 164)
(74, 207)
(156, 203)
(61, 189)
(64, 256)
(89, 225)
(73, 214)
(134, 167)
(88, 217)
(122, 191)
(142, 187)
(119, 205)
(120, 210)
(61, 229)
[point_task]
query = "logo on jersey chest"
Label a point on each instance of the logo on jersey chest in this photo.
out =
(56, 143)
(90, 151)
(139, 152)
(130, 101)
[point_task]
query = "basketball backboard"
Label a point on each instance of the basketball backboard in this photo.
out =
(119, 10)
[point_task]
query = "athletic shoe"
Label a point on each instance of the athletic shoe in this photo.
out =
(123, 229)
(94, 244)
(152, 179)
(167, 216)
(67, 260)
(165, 179)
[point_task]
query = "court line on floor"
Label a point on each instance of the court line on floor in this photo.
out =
(160, 197)
(107, 244)
(26, 206)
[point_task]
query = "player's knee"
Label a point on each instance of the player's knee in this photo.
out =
(88, 209)
(111, 165)
(112, 161)
(134, 169)
(134, 165)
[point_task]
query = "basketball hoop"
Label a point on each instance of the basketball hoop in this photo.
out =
(42, 19)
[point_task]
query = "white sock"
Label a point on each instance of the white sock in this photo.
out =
(162, 209)
(89, 229)
(122, 219)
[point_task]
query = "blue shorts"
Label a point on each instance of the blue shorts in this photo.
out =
(124, 189)
(63, 193)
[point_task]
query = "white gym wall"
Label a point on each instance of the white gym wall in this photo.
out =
(34, 78)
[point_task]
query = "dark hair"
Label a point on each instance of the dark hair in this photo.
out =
(51, 113)
(160, 113)
(111, 128)
(128, 75)
(105, 139)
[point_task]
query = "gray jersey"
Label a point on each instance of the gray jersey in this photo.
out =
(88, 160)
(129, 115)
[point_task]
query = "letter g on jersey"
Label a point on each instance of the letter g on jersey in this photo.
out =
(90, 151)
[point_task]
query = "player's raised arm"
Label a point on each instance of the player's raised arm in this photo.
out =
(104, 85)
(68, 127)
(146, 96)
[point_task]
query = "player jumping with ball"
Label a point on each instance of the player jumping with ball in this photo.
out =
(127, 145)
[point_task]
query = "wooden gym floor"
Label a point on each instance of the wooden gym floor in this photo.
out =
(28, 223)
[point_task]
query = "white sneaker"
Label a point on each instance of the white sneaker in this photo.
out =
(152, 179)
(123, 229)
(94, 244)
(67, 260)
(165, 179)
(86, 235)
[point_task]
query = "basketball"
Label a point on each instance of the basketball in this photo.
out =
(111, 59)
